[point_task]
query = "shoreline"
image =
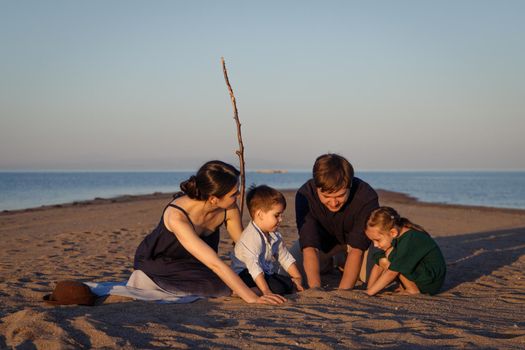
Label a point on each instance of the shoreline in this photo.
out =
(390, 195)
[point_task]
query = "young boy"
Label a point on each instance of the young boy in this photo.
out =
(260, 249)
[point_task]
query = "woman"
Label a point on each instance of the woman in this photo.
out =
(181, 253)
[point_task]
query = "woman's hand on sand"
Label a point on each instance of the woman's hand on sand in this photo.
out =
(271, 299)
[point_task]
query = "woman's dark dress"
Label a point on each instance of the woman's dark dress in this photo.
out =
(161, 256)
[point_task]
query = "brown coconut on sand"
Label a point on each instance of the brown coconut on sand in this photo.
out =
(481, 306)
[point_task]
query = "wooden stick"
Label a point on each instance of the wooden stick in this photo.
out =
(240, 151)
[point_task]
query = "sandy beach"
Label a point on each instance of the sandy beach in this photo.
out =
(482, 304)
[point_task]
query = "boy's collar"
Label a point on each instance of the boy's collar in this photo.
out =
(259, 229)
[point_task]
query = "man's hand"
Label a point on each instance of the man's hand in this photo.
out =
(354, 259)
(311, 267)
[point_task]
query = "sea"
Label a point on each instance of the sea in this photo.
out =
(20, 190)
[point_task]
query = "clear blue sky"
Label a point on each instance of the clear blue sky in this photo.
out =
(138, 84)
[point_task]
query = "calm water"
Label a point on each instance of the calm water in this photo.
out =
(20, 190)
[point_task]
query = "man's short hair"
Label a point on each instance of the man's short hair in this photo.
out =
(263, 197)
(332, 173)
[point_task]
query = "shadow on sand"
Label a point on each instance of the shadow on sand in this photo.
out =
(468, 256)
(474, 255)
(139, 325)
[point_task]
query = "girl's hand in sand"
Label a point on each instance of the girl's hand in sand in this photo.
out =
(271, 299)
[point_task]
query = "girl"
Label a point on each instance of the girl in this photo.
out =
(407, 252)
(181, 252)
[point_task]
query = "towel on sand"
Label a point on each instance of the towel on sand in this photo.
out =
(141, 287)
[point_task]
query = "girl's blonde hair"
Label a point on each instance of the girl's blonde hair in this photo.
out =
(386, 218)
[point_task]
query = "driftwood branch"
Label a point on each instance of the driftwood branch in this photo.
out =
(240, 151)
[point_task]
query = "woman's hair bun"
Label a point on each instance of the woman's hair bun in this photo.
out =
(189, 187)
(214, 178)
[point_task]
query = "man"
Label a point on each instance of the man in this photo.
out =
(331, 212)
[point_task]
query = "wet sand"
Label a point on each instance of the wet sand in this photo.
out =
(482, 304)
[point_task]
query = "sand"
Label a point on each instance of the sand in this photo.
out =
(482, 304)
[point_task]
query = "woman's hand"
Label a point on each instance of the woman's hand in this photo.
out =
(271, 299)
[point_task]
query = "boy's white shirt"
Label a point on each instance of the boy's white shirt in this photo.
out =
(260, 253)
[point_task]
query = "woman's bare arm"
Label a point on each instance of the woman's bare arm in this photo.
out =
(189, 239)
(233, 223)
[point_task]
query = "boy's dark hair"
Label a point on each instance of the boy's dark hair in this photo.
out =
(332, 173)
(263, 197)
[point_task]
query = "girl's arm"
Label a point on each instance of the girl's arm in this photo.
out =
(233, 223)
(201, 251)
(384, 263)
(384, 280)
(374, 275)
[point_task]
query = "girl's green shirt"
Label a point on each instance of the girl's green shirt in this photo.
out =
(417, 256)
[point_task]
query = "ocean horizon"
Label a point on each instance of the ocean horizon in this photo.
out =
(30, 189)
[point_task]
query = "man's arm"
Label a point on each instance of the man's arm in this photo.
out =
(309, 239)
(354, 259)
(311, 267)
(357, 242)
